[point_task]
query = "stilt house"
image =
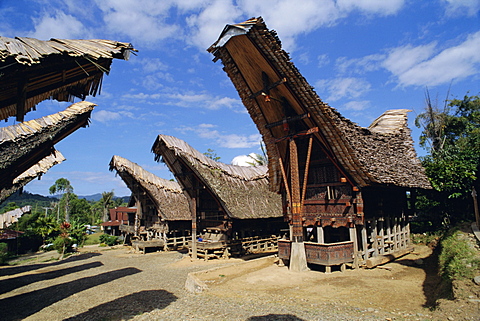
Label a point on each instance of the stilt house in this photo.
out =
(32, 71)
(345, 189)
(162, 208)
(234, 198)
(27, 149)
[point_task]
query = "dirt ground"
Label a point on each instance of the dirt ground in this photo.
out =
(100, 284)
(408, 287)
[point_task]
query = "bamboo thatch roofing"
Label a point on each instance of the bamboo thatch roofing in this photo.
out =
(380, 155)
(167, 195)
(33, 70)
(25, 144)
(242, 191)
(30, 174)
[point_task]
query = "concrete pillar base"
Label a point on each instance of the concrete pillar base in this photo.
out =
(298, 258)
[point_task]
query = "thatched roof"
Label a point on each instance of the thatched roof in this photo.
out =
(33, 70)
(167, 196)
(25, 144)
(242, 191)
(380, 155)
(30, 174)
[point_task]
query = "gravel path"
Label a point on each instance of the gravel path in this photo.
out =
(119, 285)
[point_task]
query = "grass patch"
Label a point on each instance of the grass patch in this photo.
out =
(458, 259)
(93, 239)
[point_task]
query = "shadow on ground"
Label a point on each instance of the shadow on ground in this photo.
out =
(30, 267)
(23, 305)
(276, 317)
(434, 286)
(19, 281)
(128, 306)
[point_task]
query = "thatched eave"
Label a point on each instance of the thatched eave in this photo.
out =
(259, 68)
(25, 144)
(243, 192)
(36, 171)
(167, 195)
(33, 70)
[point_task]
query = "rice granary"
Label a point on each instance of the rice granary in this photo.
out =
(161, 216)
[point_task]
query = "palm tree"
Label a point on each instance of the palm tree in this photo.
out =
(106, 201)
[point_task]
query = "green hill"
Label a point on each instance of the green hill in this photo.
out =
(26, 198)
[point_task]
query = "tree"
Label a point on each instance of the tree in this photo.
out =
(452, 138)
(62, 185)
(210, 153)
(106, 201)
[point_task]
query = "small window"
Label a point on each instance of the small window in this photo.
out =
(331, 192)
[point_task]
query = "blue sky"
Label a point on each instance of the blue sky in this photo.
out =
(362, 56)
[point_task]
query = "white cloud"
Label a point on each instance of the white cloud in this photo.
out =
(381, 7)
(402, 59)
(142, 20)
(339, 88)
(415, 66)
(357, 105)
(323, 60)
(244, 160)
(208, 131)
(462, 7)
(105, 116)
(359, 65)
(205, 27)
(59, 25)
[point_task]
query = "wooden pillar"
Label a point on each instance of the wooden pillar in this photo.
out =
(295, 190)
(298, 257)
(381, 235)
(364, 241)
(389, 235)
(193, 209)
(320, 234)
(374, 237)
(353, 237)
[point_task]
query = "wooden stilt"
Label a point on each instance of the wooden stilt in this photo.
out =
(381, 236)
(374, 237)
(353, 237)
(320, 235)
(364, 242)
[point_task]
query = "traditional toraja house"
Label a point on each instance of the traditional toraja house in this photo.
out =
(36, 171)
(31, 71)
(345, 188)
(228, 197)
(34, 70)
(162, 208)
(25, 144)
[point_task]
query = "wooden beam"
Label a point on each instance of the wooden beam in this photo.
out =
(382, 259)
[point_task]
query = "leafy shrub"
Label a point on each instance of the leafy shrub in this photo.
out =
(457, 258)
(63, 244)
(3, 253)
(110, 240)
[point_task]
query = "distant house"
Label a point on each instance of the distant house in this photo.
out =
(347, 191)
(161, 207)
(11, 217)
(11, 238)
(120, 219)
(233, 198)
(31, 71)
